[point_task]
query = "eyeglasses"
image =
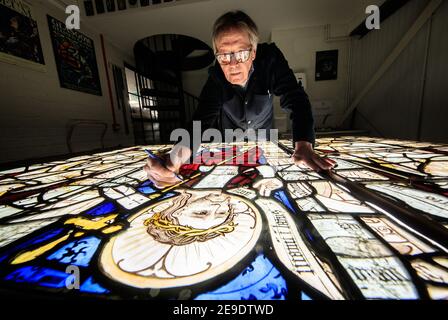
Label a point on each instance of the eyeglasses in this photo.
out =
(240, 56)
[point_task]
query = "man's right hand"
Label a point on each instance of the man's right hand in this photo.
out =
(164, 173)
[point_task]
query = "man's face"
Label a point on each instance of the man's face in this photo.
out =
(234, 41)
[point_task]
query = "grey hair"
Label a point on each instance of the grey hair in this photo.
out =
(235, 20)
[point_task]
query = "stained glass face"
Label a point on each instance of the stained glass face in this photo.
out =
(246, 223)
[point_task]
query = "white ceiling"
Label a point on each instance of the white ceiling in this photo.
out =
(195, 17)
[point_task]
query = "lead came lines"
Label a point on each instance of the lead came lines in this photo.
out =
(294, 253)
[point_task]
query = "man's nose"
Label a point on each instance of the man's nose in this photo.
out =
(233, 60)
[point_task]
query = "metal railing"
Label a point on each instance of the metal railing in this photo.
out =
(75, 123)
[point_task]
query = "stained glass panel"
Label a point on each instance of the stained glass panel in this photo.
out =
(245, 223)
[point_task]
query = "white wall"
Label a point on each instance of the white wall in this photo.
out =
(410, 100)
(34, 109)
(299, 46)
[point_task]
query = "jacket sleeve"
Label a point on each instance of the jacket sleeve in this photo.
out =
(292, 97)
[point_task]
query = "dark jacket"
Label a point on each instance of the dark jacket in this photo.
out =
(225, 106)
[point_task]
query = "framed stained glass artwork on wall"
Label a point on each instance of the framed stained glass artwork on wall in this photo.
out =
(245, 223)
(75, 58)
(19, 36)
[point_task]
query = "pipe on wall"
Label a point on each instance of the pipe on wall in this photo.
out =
(115, 125)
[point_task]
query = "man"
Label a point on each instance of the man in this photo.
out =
(239, 94)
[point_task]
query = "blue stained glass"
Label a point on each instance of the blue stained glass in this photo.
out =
(259, 281)
(168, 195)
(304, 296)
(36, 240)
(262, 160)
(78, 252)
(147, 190)
(43, 276)
(102, 209)
(146, 183)
(91, 286)
(281, 196)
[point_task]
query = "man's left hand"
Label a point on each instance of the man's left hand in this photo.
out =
(304, 153)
